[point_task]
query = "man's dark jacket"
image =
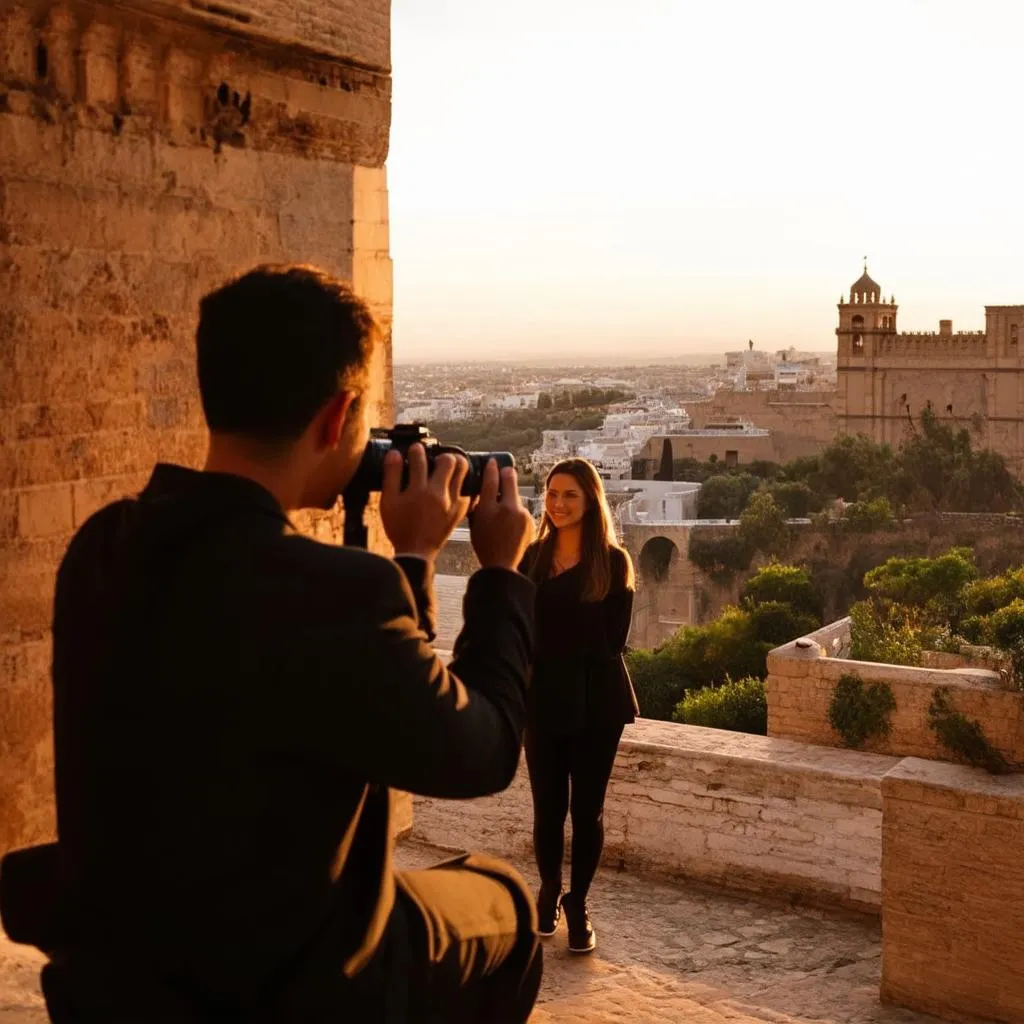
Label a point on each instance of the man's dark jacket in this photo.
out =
(232, 703)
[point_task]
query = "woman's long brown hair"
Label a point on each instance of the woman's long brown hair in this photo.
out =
(597, 537)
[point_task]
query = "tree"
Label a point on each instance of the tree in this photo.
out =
(866, 516)
(763, 524)
(938, 469)
(775, 623)
(796, 498)
(725, 495)
(934, 585)
(783, 584)
(665, 470)
(853, 466)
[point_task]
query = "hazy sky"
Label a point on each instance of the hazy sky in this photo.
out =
(667, 175)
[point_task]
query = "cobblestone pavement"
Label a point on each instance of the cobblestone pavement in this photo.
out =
(676, 952)
(665, 953)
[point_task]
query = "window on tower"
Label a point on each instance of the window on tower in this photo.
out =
(858, 343)
(857, 322)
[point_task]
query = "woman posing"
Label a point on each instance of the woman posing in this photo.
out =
(581, 696)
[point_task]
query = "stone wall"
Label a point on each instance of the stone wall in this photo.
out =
(953, 875)
(725, 447)
(802, 678)
(148, 150)
(747, 812)
(800, 422)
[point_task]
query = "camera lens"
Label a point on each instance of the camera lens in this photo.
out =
(370, 474)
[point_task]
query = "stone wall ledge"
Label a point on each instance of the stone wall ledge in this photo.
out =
(751, 813)
(744, 751)
(956, 787)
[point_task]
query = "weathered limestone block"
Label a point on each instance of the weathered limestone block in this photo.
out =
(953, 891)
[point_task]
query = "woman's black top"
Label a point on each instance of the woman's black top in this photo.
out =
(579, 678)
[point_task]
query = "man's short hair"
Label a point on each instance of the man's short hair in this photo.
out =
(274, 345)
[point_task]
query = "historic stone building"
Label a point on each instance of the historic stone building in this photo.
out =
(886, 378)
(148, 150)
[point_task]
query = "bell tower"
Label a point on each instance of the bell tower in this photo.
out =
(863, 320)
(866, 323)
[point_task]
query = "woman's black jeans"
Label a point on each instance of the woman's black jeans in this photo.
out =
(569, 774)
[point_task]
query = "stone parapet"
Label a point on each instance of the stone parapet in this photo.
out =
(748, 812)
(802, 680)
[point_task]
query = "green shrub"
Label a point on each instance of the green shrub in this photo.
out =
(974, 629)
(983, 597)
(725, 495)
(763, 524)
(738, 706)
(795, 498)
(720, 557)
(727, 647)
(962, 735)
(936, 584)
(885, 636)
(774, 623)
(858, 712)
(866, 516)
(1005, 627)
(658, 683)
(786, 584)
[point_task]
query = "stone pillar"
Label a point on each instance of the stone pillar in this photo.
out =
(127, 190)
(953, 891)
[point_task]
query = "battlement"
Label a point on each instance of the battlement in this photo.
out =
(963, 343)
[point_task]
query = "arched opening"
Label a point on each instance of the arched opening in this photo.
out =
(857, 322)
(656, 558)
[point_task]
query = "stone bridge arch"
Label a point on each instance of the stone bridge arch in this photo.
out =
(664, 580)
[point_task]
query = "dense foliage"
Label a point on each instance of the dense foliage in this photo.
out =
(739, 706)
(935, 469)
(917, 604)
(778, 605)
(783, 584)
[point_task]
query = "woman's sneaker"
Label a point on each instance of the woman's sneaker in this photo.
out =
(549, 909)
(582, 937)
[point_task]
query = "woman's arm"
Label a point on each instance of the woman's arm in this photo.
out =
(617, 607)
(617, 613)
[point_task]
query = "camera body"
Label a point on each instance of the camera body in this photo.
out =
(370, 474)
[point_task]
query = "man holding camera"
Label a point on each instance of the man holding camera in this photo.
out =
(233, 702)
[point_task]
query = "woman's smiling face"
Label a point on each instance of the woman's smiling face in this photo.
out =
(564, 501)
